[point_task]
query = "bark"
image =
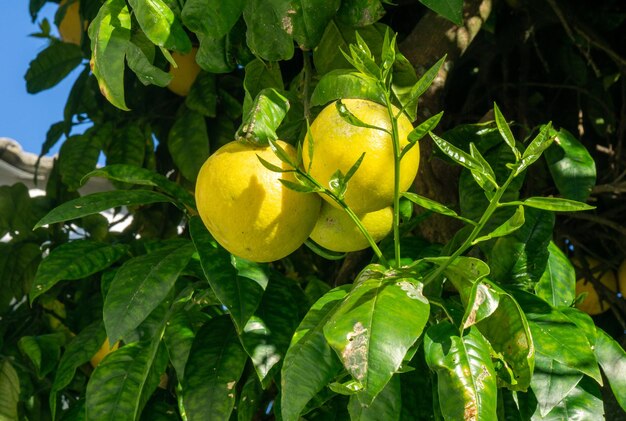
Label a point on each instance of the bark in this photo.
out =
(433, 37)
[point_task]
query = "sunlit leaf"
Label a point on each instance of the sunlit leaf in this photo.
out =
(612, 358)
(160, 25)
(557, 285)
(343, 83)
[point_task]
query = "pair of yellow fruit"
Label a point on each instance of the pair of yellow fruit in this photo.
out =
(253, 215)
(593, 304)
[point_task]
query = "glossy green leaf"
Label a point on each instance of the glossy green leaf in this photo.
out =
(360, 13)
(9, 391)
(434, 206)
(509, 226)
(117, 387)
(188, 143)
(485, 177)
(211, 18)
(139, 287)
(269, 29)
(310, 363)
(214, 367)
(98, 202)
(160, 25)
(387, 405)
(425, 81)
(343, 83)
(571, 165)
(350, 118)
(612, 358)
(143, 177)
(78, 155)
(241, 295)
(457, 155)
(267, 112)
(147, 73)
(267, 334)
(505, 131)
(78, 352)
(51, 66)
(466, 378)
(127, 145)
(43, 351)
(203, 95)
(260, 75)
(533, 152)
(552, 382)
(556, 204)
(557, 285)
(74, 260)
(481, 303)
(424, 127)
(310, 20)
(213, 54)
(449, 9)
(179, 334)
(250, 399)
(374, 327)
(110, 34)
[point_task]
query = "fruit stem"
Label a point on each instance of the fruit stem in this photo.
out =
(397, 156)
(493, 205)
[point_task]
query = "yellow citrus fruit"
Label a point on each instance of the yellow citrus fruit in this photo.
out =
(185, 74)
(338, 144)
(336, 231)
(621, 275)
(104, 350)
(592, 304)
(247, 209)
(71, 26)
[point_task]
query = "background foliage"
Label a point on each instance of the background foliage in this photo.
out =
(206, 333)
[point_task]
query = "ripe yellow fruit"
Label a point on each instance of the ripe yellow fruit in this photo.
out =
(104, 350)
(336, 231)
(71, 26)
(621, 275)
(247, 209)
(185, 74)
(592, 304)
(338, 144)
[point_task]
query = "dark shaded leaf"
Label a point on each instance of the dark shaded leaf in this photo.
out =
(387, 405)
(188, 142)
(203, 95)
(78, 155)
(612, 359)
(310, 20)
(269, 29)
(51, 66)
(9, 391)
(43, 351)
(211, 18)
(359, 13)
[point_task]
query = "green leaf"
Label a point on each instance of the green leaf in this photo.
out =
(347, 115)
(510, 225)
(425, 127)
(118, 387)
(211, 18)
(434, 206)
(250, 399)
(139, 287)
(18, 265)
(188, 143)
(78, 155)
(203, 95)
(380, 313)
(360, 13)
(556, 204)
(485, 178)
(425, 81)
(387, 405)
(110, 34)
(160, 25)
(268, 333)
(51, 66)
(612, 359)
(552, 382)
(449, 9)
(98, 202)
(9, 391)
(127, 145)
(78, 352)
(466, 378)
(310, 20)
(533, 152)
(43, 351)
(457, 155)
(505, 131)
(214, 367)
(269, 29)
(557, 285)
(571, 165)
(260, 75)
(267, 112)
(179, 335)
(310, 363)
(74, 260)
(481, 303)
(144, 177)
(213, 54)
(147, 73)
(240, 294)
(343, 83)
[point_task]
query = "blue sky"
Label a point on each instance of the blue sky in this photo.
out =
(25, 117)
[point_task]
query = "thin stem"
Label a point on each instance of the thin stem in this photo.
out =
(397, 156)
(306, 83)
(493, 205)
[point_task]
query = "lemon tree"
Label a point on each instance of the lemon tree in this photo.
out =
(246, 207)
(225, 301)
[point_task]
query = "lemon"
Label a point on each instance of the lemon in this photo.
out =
(71, 27)
(336, 231)
(593, 304)
(185, 74)
(247, 209)
(621, 275)
(338, 144)
(104, 350)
